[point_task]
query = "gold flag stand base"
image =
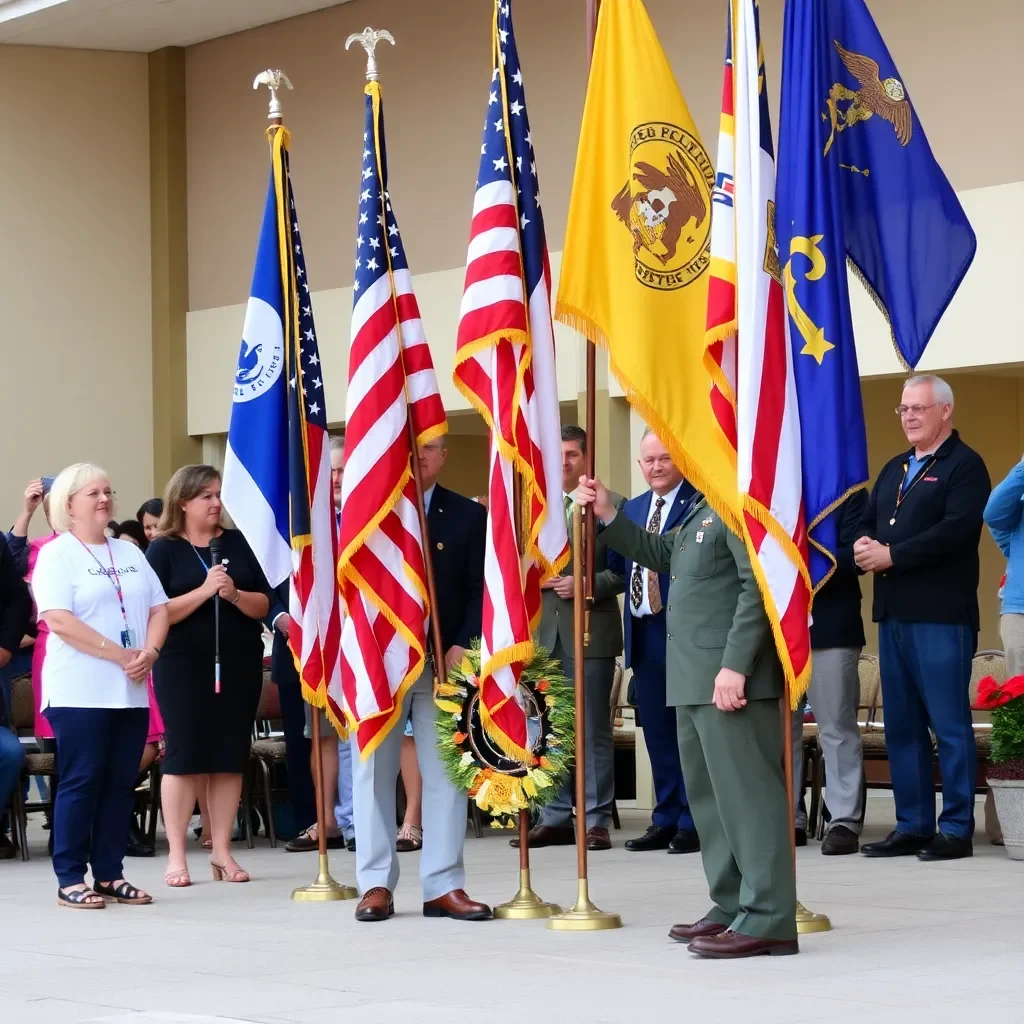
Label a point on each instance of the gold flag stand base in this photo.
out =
(325, 889)
(584, 917)
(808, 922)
(526, 905)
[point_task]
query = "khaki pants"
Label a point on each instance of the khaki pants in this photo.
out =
(1011, 630)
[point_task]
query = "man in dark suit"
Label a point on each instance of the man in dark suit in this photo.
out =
(293, 716)
(457, 529)
(335, 756)
(555, 633)
(659, 510)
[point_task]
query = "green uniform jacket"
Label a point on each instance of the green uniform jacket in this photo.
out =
(605, 617)
(714, 616)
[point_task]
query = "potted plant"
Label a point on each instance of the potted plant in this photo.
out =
(1006, 767)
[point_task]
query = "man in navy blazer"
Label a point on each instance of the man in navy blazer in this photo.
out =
(658, 510)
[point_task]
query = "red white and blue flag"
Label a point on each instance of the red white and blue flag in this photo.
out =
(391, 381)
(505, 367)
(750, 362)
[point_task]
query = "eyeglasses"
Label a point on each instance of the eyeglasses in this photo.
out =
(917, 410)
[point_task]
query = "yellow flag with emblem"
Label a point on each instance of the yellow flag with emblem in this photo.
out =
(634, 274)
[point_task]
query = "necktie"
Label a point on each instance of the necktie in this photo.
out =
(567, 501)
(636, 584)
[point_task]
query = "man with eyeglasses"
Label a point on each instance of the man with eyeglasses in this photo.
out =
(920, 536)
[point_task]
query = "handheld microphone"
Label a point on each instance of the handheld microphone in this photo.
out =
(215, 549)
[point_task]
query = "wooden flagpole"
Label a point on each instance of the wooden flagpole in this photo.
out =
(526, 905)
(584, 916)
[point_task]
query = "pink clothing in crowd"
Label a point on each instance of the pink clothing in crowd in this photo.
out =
(43, 729)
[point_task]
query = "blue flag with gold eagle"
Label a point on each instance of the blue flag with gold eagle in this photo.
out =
(858, 181)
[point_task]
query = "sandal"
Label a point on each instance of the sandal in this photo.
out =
(80, 899)
(124, 892)
(178, 879)
(204, 842)
(410, 839)
(222, 874)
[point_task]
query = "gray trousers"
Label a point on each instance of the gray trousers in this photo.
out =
(374, 784)
(834, 694)
(598, 679)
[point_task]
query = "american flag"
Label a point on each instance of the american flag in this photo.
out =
(505, 366)
(277, 480)
(753, 392)
(391, 381)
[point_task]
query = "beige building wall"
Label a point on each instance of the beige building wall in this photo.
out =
(433, 86)
(75, 270)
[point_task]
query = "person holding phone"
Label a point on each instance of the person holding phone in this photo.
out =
(107, 616)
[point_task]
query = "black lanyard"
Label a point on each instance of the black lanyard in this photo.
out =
(901, 494)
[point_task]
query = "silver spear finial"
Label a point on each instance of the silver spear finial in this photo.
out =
(368, 39)
(273, 80)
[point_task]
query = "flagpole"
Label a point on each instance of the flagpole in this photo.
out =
(584, 916)
(807, 921)
(526, 905)
(323, 888)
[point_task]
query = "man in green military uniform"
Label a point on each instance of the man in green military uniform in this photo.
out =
(725, 680)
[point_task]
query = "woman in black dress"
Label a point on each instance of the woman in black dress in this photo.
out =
(208, 734)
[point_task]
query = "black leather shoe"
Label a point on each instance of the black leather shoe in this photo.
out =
(657, 837)
(800, 836)
(351, 845)
(947, 847)
(840, 840)
(896, 844)
(685, 840)
(138, 845)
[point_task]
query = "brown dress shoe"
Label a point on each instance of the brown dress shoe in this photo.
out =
(598, 839)
(689, 932)
(730, 945)
(458, 905)
(547, 835)
(377, 904)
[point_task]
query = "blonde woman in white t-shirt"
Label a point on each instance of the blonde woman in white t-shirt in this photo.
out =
(107, 615)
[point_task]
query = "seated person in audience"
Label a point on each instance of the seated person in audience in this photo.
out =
(15, 611)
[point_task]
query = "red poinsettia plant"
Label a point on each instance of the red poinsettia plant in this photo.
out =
(1006, 702)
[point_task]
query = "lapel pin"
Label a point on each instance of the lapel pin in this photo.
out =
(700, 537)
(440, 545)
(708, 521)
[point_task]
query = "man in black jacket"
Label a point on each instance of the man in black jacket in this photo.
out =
(837, 637)
(457, 529)
(15, 612)
(920, 537)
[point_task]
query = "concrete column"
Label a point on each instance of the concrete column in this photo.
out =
(172, 446)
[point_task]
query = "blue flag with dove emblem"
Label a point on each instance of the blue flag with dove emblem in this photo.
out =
(857, 182)
(256, 463)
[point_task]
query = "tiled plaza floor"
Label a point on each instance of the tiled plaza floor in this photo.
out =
(912, 942)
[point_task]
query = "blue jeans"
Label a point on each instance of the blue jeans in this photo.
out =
(98, 755)
(12, 756)
(926, 675)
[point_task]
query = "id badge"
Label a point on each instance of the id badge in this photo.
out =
(128, 639)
